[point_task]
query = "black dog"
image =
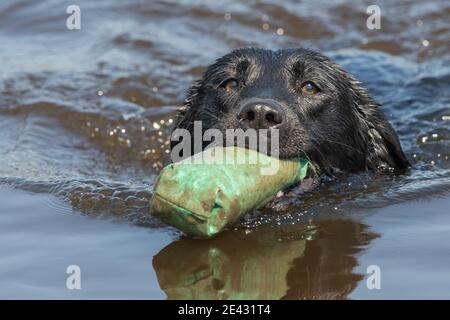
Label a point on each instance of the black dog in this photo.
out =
(321, 111)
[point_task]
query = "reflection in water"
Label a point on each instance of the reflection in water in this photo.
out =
(293, 262)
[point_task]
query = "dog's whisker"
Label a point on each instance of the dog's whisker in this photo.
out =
(338, 142)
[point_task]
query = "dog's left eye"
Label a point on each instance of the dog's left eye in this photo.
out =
(310, 88)
(230, 84)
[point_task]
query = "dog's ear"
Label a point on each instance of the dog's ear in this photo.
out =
(189, 112)
(383, 145)
(386, 145)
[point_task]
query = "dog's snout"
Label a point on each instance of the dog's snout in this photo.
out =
(261, 114)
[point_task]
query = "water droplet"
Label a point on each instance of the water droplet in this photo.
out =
(227, 16)
(434, 135)
(424, 139)
(100, 93)
(280, 31)
(155, 89)
(425, 43)
(265, 26)
(265, 18)
(156, 125)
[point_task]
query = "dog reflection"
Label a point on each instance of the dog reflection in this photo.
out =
(295, 262)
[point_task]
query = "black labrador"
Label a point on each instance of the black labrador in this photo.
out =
(322, 112)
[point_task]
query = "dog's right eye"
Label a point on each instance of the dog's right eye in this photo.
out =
(230, 84)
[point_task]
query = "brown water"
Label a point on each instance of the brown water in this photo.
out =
(83, 118)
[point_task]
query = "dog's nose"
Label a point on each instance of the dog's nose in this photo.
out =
(261, 114)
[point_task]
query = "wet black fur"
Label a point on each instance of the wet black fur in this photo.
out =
(339, 128)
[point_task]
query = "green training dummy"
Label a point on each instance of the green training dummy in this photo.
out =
(212, 190)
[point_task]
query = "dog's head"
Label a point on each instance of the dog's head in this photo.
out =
(320, 110)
